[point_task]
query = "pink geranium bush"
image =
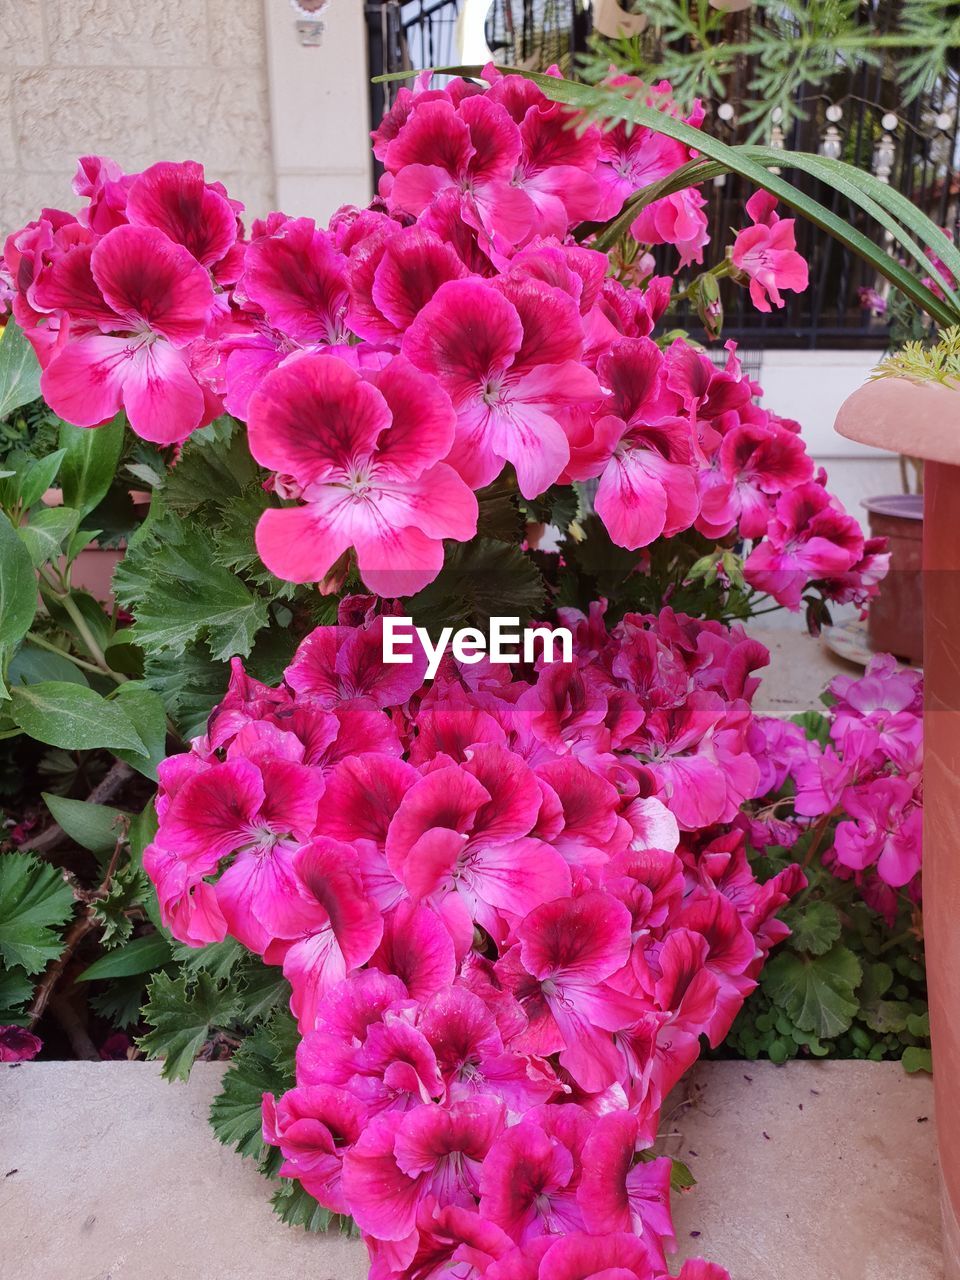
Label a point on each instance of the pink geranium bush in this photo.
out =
(458, 333)
(508, 907)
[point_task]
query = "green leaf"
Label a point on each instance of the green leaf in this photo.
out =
(297, 1208)
(96, 827)
(90, 462)
(119, 1002)
(30, 665)
(715, 157)
(480, 579)
(147, 714)
(215, 469)
(817, 992)
(35, 476)
(178, 594)
(190, 685)
(142, 955)
(815, 726)
(916, 1059)
(15, 990)
(183, 1012)
(129, 889)
(19, 370)
(73, 717)
(815, 927)
(34, 902)
(918, 1024)
(886, 1016)
(217, 959)
(46, 533)
(18, 588)
(877, 981)
(236, 1112)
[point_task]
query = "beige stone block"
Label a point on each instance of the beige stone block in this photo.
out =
(219, 118)
(21, 34)
(812, 1171)
(23, 195)
(236, 33)
(62, 114)
(8, 148)
(256, 190)
(318, 195)
(130, 33)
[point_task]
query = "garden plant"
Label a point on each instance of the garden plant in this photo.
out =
(459, 935)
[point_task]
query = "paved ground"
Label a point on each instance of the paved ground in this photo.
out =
(812, 1171)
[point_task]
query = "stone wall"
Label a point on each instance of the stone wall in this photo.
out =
(139, 80)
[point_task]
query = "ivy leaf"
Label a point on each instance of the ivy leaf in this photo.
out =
(183, 1011)
(817, 992)
(34, 902)
(816, 927)
(178, 594)
(90, 462)
(73, 717)
(19, 370)
(479, 580)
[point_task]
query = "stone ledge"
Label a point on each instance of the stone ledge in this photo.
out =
(819, 1171)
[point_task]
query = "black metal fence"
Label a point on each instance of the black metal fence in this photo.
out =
(851, 116)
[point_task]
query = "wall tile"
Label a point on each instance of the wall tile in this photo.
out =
(127, 33)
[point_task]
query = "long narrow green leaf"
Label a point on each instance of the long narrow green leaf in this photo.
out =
(698, 171)
(591, 99)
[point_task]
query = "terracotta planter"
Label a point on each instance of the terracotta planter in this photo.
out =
(896, 616)
(924, 420)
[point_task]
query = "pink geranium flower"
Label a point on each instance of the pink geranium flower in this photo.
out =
(364, 453)
(767, 252)
(18, 1045)
(643, 449)
(809, 537)
(155, 300)
(509, 358)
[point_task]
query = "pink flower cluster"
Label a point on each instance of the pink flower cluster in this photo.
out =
(867, 779)
(508, 908)
(392, 365)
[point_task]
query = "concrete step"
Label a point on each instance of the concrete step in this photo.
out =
(811, 1171)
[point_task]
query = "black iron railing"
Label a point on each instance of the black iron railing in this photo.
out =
(851, 115)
